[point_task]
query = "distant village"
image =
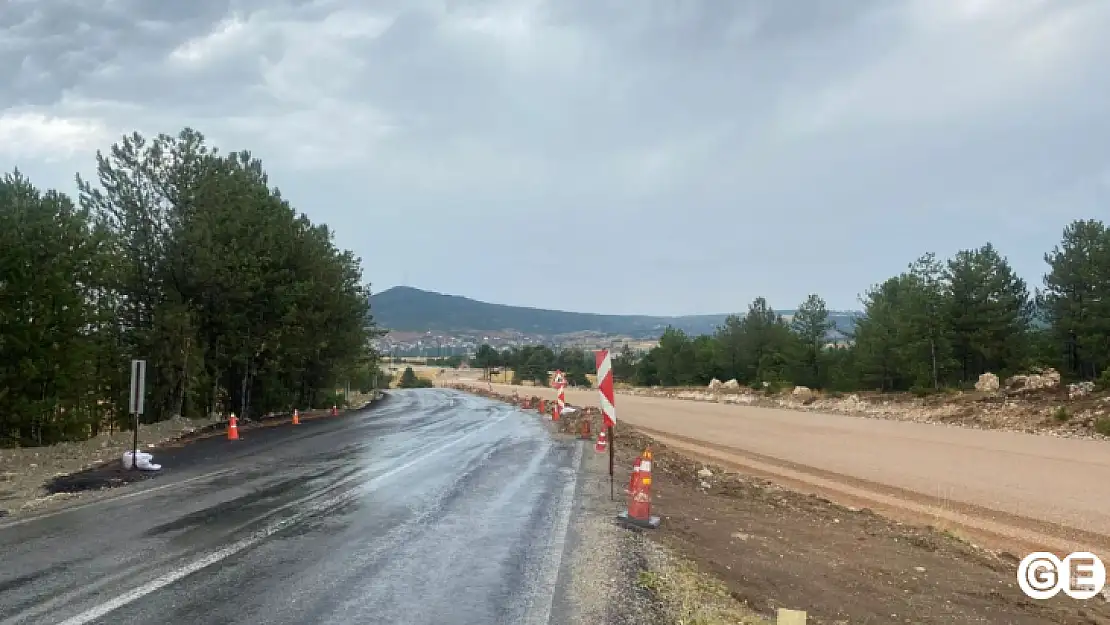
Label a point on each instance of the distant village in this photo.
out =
(445, 344)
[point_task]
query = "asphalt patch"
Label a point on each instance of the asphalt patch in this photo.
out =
(96, 478)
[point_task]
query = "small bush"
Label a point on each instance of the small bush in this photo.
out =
(1061, 414)
(409, 379)
(1102, 426)
(1103, 381)
(921, 391)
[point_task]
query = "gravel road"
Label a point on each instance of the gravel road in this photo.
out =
(1005, 489)
(435, 507)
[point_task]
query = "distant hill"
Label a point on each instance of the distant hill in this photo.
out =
(408, 309)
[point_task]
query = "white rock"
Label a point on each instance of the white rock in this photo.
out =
(802, 392)
(987, 382)
(1080, 389)
(705, 473)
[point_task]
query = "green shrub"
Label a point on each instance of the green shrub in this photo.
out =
(1102, 426)
(409, 379)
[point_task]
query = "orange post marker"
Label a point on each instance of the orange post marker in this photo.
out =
(296, 417)
(543, 407)
(232, 428)
(585, 433)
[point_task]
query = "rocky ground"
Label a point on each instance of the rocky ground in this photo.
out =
(1033, 403)
(733, 549)
(34, 478)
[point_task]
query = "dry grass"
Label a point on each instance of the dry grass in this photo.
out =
(691, 597)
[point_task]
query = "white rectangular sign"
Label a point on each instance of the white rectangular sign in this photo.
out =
(138, 386)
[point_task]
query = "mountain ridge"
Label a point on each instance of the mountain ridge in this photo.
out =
(404, 308)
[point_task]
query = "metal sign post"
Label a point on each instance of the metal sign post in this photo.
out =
(612, 494)
(138, 392)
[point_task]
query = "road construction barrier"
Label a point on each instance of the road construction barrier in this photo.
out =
(601, 444)
(639, 496)
(296, 417)
(232, 428)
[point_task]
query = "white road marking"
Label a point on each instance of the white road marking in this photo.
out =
(539, 612)
(181, 572)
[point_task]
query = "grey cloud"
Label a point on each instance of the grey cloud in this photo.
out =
(794, 147)
(50, 46)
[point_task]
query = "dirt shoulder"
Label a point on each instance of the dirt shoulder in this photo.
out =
(617, 576)
(747, 546)
(772, 547)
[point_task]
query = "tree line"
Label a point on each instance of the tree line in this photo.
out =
(536, 362)
(183, 256)
(938, 324)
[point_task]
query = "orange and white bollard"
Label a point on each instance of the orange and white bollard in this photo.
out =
(639, 497)
(232, 428)
(334, 410)
(296, 417)
(601, 444)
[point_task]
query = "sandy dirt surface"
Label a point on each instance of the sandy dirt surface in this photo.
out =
(1045, 406)
(1002, 489)
(773, 547)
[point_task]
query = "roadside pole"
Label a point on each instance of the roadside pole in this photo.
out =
(138, 392)
(608, 407)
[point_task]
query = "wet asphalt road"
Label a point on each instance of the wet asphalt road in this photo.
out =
(435, 507)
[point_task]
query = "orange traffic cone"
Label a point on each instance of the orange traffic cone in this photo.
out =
(232, 428)
(585, 434)
(543, 407)
(296, 417)
(334, 410)
(639, 497)
(601, 444)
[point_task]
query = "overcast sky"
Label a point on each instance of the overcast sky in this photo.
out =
(656, 156)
